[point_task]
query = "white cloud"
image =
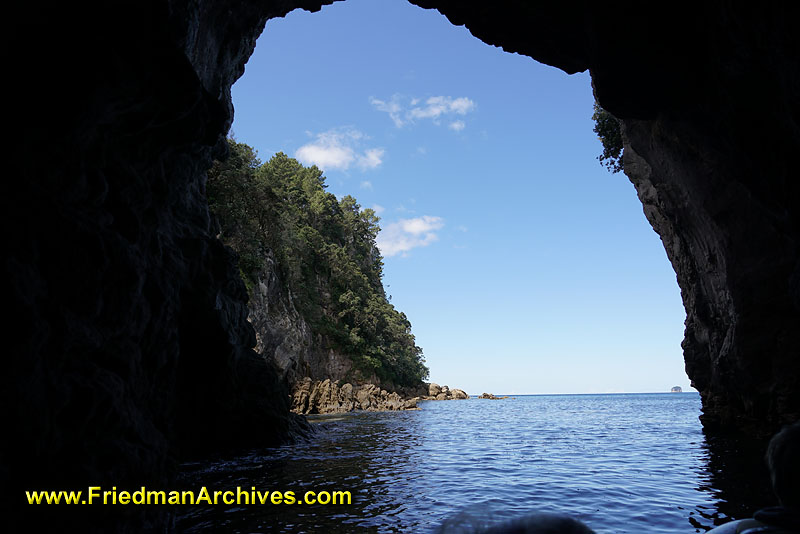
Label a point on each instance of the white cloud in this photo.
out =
(371, 159)
(336, 149)
(378, 209)
(434, 108)
(462, 105)
(366, 184)
(401, 236)
(437, 106)
(392, 107)
(457, 126)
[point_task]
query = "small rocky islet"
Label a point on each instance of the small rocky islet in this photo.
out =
(491, 396)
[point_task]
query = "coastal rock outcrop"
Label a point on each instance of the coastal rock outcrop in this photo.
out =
(329, 396)
(490, 396)
(311, 396)
(437, 392)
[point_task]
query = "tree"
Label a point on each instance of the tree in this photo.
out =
(606, 126)
(326, 255)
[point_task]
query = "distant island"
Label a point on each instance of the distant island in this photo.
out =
(676, 389)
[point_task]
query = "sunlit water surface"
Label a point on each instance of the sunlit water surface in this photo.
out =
(621, 463)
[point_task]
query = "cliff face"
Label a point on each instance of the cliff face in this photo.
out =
(129, 343)
(736, 260)
(285, 337)
(320, 378)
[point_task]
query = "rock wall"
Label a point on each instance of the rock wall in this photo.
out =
(284, 337)
(127, 339)
(128, 344)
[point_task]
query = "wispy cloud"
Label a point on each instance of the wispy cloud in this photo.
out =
(436, 106)
(406, 234)
(366, 184)
(457, 126)
(378, 209)
(371, 159)
(403, 111)
(338, 149)
(393, 107)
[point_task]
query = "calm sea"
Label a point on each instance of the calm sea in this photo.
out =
(636, 463)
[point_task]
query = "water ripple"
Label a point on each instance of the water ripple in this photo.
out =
(622, 463)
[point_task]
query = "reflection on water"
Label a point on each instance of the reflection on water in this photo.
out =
(621, 463)
(738, 477)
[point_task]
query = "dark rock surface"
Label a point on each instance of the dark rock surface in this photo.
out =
(285, 337)
(127, 339)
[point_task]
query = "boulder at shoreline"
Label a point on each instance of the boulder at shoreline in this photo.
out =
(490, 396)
(330, 396)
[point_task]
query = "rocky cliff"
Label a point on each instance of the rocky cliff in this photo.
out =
(128, 344)
(320, 378)
(285, 337)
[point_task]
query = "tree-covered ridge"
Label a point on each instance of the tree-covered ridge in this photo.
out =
(325, 253)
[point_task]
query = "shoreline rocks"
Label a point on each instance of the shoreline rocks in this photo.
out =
(491, 396)
(330, 396)
(326, 396)
(437, 392)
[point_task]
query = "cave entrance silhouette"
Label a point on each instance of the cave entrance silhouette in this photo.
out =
(130, 343)
(558, 205)
(727, 218)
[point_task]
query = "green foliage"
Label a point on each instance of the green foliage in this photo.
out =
(325, 253)
(606, 126)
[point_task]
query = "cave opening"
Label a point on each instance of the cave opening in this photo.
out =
(112, 263)
(490, 159)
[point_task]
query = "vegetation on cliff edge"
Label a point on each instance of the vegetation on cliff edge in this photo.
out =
(606, 126)
(326, 257)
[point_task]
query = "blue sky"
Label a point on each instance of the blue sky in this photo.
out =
(523, 265)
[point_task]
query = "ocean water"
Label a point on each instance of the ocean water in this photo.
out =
(620, 463)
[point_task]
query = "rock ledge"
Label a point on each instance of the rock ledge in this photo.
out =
(330, 396)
